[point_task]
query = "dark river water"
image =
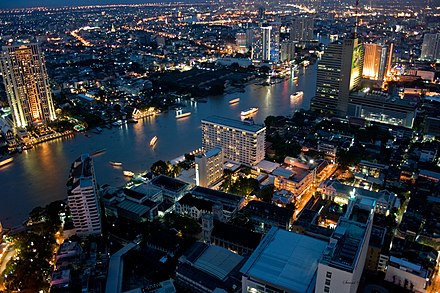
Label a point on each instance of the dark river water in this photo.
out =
(38, 176)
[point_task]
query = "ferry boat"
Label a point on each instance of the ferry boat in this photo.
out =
(128, 173)
(249, 111)
(233, 101)
(153, 141)
(181, 114)
(5, 161)
(116, 164)
(297, 95)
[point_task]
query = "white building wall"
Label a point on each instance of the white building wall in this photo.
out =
(399, 278)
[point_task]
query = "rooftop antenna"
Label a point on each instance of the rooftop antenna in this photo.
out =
(356, 21)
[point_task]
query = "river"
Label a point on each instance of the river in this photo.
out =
(38, 176)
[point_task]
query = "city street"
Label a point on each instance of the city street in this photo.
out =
(307, 195)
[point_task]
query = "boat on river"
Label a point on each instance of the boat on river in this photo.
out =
(233, 101)
(181, 114)
(115, 164)
(153, 141)
(5, 161)
(128, 173)
(297, 95)
(249, 111)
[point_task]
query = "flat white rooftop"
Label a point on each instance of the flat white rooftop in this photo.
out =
(286, 260)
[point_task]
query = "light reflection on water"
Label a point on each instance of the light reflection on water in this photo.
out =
(38, 176)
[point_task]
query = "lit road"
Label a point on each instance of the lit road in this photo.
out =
(435, 283)
(307, 195)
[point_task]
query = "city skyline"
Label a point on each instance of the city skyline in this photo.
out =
(220, 147)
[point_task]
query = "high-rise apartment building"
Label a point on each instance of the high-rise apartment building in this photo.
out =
(301, 29)
(266, 43)
(339, 73)
(209, 167)
(287, 52)
(377, 61)
(241, 41)
(431, 47)
(241, 142)
(82, 197)
(27, 85)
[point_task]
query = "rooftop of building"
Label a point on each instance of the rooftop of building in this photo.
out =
(268, 210)
(295, 174)
(237, 124)
(201, 204)
(211, 194)
(382, 98)
(286, 260)
(236, 234)
(214, 260)
(136, 208)
(345, 245)
(212, 152)
(169, 183)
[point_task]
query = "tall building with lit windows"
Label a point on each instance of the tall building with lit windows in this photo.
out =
(266, 43)
(241, 142)
(377, 61)
(301, 29)
(209, 167)
(27, 85)
(339, 73)
(431, 47)
(82, 197)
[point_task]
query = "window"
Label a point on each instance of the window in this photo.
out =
(327, 281)
(326, 289)
(329, 274)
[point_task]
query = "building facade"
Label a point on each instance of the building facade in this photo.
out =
(343, 261)
(431, 47)
(209, 167)
(82, 197)
(301, 29)
(377, 61)
(27, 85)
(339, 73)
(266, 43)
(241, 142)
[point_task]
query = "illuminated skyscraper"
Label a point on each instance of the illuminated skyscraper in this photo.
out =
(82, 197)
(339, 72)
(377, 61)
(431, 47)
(301, 29)
(27, 85)
(266, 44)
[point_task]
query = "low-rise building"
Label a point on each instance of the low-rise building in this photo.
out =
(230, 203)
(235, 238)
(206, 268)
(172, 189)
(341, 193)
(265, 215)
(294, 179)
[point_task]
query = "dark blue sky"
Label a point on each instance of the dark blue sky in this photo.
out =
(4, 4)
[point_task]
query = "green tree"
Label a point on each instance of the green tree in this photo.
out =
(159, 167)
(265, 194)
